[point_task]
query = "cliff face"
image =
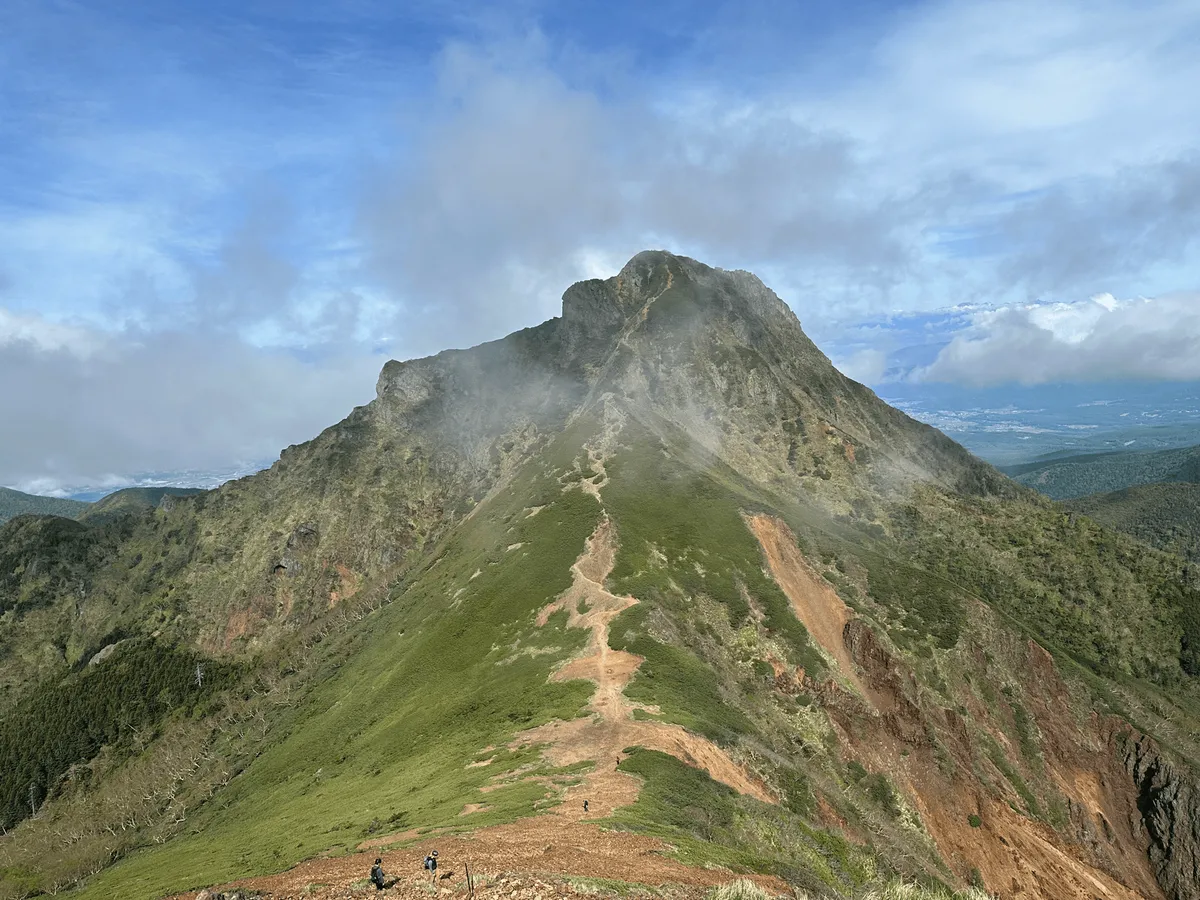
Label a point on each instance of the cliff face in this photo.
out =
(1169, 803)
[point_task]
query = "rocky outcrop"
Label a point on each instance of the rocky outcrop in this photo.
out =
(1169, 803)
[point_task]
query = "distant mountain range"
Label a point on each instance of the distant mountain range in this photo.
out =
(113, 505)
(15, 503)
(1066, 477)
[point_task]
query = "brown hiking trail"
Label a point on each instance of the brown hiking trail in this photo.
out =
(563, 841)
(814, 599)
(603, 736)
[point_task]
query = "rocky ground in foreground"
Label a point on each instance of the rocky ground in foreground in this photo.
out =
(507, 886)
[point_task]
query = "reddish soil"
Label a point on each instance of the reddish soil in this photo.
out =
(814, 599)
(602, 735)
(348, 584)
(414, 884)
(1016, 856)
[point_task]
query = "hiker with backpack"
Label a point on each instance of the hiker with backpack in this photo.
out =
(431, 865)
(377, 876)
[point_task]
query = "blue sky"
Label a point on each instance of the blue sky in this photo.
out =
(218, 220)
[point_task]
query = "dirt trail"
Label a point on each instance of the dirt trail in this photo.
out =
(603, 735)
(814, 600)
(563, 841)
(544, 847)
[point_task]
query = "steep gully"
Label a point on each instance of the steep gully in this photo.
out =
(886, 729)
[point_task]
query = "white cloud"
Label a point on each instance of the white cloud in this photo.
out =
(84, 405)
(970, 153)
(47, 336)
(1099, 339)
(866, 366)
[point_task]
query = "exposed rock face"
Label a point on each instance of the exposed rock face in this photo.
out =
(1170, 813)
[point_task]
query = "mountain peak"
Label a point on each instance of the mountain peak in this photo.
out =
(595, 310)
(712, 354)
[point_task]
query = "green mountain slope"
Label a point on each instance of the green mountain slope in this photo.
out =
(1100, 473)
(14, 503)
(130, 500)
(1166, 516)
(658, 554)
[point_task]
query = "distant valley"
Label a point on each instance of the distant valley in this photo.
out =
(1014, 424)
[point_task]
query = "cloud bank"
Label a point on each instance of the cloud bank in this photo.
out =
(80, 406)
(1101, 339)
(257, 208)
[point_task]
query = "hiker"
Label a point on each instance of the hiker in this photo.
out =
(585, 805)
(377, 876)
(431, 865)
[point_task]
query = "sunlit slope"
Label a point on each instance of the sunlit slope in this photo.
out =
(451, 665)
(658, 553)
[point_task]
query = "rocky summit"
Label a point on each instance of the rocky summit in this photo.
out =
(649, 599)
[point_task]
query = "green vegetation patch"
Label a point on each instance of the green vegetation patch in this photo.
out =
(15, 503)
(711, 824)
(682, 535)
(687, 555)
(922, 602)
(454, 664)
(676, 679)
(1166, 516)
(65, 722)
(1106, 600)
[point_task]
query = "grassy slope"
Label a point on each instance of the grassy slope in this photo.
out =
(369, 744)
(389, 751)
(1166, 515)
(707, 624)
(1098, 473)
(375, 742)
(130, 500)
(15, 503)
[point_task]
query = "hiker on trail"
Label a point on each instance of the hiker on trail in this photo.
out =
(585, 803)
(377, 876)
(431, 865)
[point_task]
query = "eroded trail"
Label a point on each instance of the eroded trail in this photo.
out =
(561, 842)
(611, 727)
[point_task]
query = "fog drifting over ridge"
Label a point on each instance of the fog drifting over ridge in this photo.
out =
(213, 283)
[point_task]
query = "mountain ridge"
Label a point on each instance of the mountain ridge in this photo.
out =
(1073, 476)
(396, 595)
(15, 503)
